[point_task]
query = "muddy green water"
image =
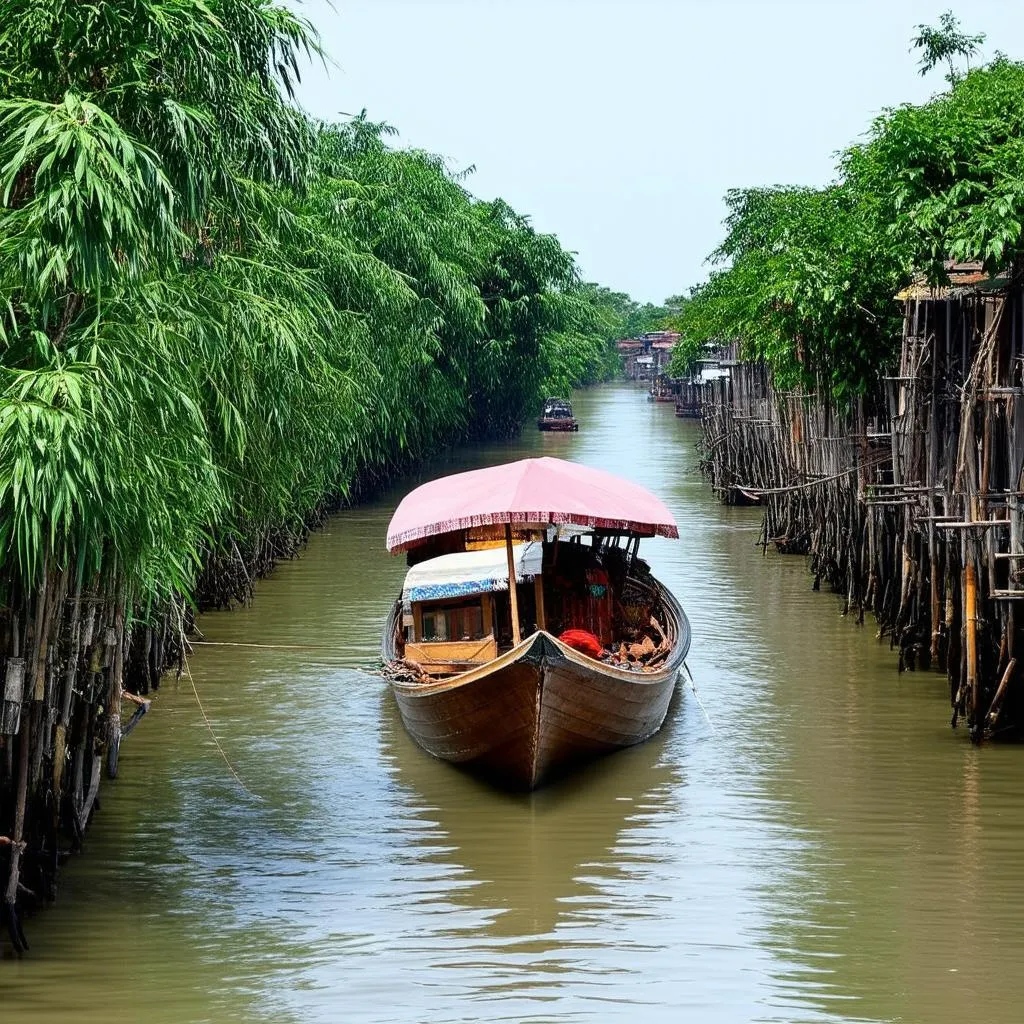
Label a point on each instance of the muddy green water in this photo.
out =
(830, 851)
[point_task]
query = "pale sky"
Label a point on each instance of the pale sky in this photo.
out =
(618, 126)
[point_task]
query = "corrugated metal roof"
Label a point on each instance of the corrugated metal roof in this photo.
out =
(964, 279)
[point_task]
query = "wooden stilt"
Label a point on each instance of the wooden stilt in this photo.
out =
(997, 701)
(908, 503)
(971, 629)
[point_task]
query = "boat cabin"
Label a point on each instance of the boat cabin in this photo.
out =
(532, 563)
(451, 604)
(664, 389)
(457, 612)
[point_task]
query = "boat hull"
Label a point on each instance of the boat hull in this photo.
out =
(539, 709)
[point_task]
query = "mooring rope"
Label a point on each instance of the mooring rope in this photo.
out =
(216, 742)
(693, 688)
(265, 647)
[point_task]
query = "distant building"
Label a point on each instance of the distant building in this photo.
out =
(647, 356)
(713, 366)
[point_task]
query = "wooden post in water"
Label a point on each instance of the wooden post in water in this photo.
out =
(513, 597)
(971, 624)
(997, 701)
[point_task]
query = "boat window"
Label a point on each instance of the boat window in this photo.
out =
(435, 624)
(558, 410)
(467, 623)
(464, 622)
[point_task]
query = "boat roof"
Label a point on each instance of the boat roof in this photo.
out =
(466, 573)
(528, 493)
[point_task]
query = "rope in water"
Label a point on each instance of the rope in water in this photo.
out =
(693, 688)
(265, 647)
(216, 742)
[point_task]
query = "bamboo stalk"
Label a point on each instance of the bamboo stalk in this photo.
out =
(971, 627)
(992, 718)
(17, 842)
(114, 695)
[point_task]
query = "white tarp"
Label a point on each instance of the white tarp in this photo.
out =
(471, 572)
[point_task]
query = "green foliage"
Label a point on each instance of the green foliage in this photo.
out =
(583, 351)
(805, 289)
(634, 318)
(806, 278)
(216, 313)
(943, 43)
(946, 179)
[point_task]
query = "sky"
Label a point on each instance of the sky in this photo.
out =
(619, 125)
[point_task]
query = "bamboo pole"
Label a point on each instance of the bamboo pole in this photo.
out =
(17, 841)
(971, 627)
(997, 701)
(60, 737)
(113, 710)
(914, 519)
(513, 596)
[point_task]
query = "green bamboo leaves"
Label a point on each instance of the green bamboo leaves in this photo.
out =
(217, 314)
(82, 200)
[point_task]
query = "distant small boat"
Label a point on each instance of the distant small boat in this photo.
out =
(604, 640)
(557, 415)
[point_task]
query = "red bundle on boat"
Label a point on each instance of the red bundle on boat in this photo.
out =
(583, 641)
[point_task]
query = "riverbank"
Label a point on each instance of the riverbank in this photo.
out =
(877, 410)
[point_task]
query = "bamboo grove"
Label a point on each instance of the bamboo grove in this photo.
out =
(877, 407)
(217, 318)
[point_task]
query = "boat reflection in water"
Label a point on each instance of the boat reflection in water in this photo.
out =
(535, 861)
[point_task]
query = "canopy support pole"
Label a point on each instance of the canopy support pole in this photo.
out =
(538, 590)
(513, 597)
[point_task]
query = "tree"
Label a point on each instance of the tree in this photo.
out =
(806, 279)
(945, 180)
(806, 283)
(944, 43)
(216, 318)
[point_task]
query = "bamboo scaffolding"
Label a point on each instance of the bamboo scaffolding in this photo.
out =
(907, 503)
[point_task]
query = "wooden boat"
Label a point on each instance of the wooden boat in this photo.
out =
(593, 670)
(557, 415)
(535, 710)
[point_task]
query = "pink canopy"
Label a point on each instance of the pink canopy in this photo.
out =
(530, 491)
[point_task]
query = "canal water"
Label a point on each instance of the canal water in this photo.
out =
(823, 849)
